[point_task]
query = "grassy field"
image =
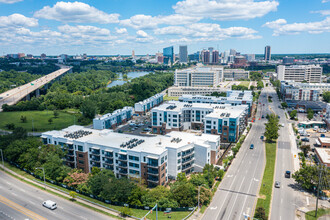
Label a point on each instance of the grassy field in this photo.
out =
(40, 120)
(320, 212)
(135, 212)
(265, 194)
(170, 98)
(245, 83)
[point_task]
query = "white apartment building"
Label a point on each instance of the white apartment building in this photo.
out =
(291, 90)
(235, 74)
(177, 91)
(156, 159)
(300, 73)
(179, 116)
(112, 120)
(234, 97)
(199, 76)
(147, 104)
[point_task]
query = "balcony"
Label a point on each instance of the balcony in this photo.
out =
(95, 152)
(122, 165)
(95, 158)
(191, 160)
(70, 147)
(70, 154)
(152, 179)
(108, 162)
(122, 157)
(152, 164)
(187, 153)
(95, 164)
(153, 172)
(108, 155)
(123, 172)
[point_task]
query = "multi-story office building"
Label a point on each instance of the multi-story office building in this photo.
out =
(112, 120)
(205, 55)
(250, 57)
(300, 73)
(232, 52)
(235, 74)
(291, 90)
(156, 159)
(239, 62)
(183, 54)
(168, 54)
(179, 116)
(215, 57)
(288, 60)
(177, 91)
(198, 76)
(234, 97)
(268, 55)
(147, 104)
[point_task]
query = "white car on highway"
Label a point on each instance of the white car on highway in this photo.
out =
(49, 204)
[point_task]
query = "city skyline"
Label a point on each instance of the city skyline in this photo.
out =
(118, 27)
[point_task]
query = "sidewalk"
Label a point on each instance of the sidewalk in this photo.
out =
(294, 149)
(91, 204)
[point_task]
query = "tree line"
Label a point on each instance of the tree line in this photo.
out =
(12, 79)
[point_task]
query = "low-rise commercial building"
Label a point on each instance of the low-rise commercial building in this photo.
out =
(235, 74)
(177, 91)
(156, 159)
(234, 97)
(179, 116)
(199, 76)
(323, 156)
(112, 120)
(147, 104)
(291, 90)
(323, 142)
(300, 73)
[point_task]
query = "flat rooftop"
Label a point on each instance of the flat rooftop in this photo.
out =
(155, 144)
(324, 140)
(324, 154)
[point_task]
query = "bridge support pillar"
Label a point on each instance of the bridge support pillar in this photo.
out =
(28, 97)
(37, 93)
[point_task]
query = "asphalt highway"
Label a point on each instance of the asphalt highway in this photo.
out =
(21, 201)
(237, 193)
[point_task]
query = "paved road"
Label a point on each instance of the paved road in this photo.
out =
(12, 96)
(21, 201)
(238, 190)
(285, 199)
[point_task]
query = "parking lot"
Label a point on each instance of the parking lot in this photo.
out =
(139, 125)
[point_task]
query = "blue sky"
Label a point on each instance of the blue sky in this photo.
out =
(110, 27)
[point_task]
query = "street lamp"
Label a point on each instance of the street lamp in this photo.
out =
(43, 170)
(199, 188)
(3, 164)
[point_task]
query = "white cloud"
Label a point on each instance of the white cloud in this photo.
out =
(322, 12)
(76, 12)
(90, 30)
(204, 31)
(142, 21)
(324, 1)
(17, 20)
(10, 1)
(275, 24)
(225, 9)
(297, 28)
(141, 33)
(121, 30)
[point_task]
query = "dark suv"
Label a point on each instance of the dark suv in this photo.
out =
(287, 174)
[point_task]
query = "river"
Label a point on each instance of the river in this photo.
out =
(130, 75)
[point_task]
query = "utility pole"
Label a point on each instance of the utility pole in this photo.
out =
(43, 170)
(318, 190)
(3, 164)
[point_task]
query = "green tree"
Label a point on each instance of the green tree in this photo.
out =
(326, 97)
(97, 181)
(260, 213)
(293, 114)
(154, 195)
(197, 179)
(73, 195)
(136, 196)
(125, 211)
(284, 104)
(307, 177)
(272, 127)
(184, 194)
(23, 119)
(56, 114)
(181, 177)
(50, 120)
(305, 148)
(310, 114)
(88, 109)
(10, 126)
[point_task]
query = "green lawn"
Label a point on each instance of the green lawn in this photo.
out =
(267, 185)
(170, 98)
(245, 83)
(40, 120)
(135, 212)
(320, 212)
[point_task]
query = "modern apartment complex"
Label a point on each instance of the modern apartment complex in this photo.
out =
(179, 116)
(112, 120)
(147, 104)
(183, 54)
(177, 91)
(291, 90)
(156, 159)
(235, 74)
(198, 76)
(300, 73)
(234, 97)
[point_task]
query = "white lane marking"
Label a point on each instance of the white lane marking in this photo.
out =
(281, 200)
(249, 162)
(307, 201)
(8, 183)
(255, 179)
(212, 208)
(230, 175)
(22, 190)
(14, 194)
(239, 189)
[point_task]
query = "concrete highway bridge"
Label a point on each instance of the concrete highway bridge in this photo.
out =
(11, 97)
